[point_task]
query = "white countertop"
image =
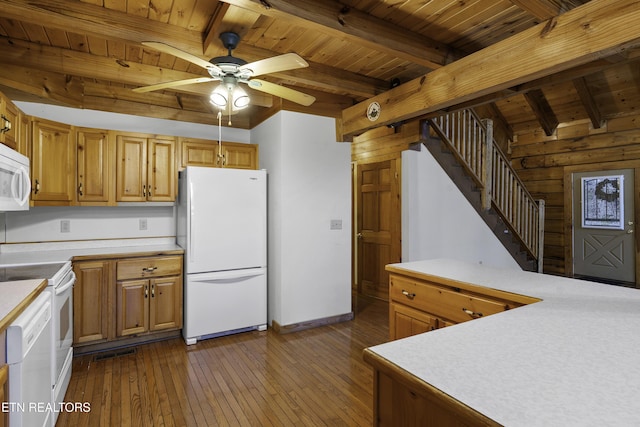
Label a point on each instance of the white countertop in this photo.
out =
(572, 359)
(31, 253)
(15, 296)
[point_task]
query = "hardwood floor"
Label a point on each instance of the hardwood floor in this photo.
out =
(310, 378)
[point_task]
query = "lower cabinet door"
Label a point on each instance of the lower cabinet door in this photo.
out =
(405, 321)
(132, 307)
(165, 311)
(90, 301)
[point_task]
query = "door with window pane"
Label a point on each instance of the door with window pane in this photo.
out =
(603, 225)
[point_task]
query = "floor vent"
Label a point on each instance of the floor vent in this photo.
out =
(112, 354)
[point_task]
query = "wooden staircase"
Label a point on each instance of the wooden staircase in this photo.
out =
(464, 146)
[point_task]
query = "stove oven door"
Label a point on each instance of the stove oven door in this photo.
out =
(62, 335)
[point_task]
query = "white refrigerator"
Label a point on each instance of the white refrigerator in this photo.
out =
(222, 226)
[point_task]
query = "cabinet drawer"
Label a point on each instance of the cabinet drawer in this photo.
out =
(149, 267)
(443, 302)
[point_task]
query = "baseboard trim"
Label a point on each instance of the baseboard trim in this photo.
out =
(296, 327)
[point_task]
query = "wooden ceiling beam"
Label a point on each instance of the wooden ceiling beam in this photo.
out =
(594, 30)
(542, 110)
(588, 102)
(213, 30)
(337, 20)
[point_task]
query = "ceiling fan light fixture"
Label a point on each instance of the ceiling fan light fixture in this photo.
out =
(219, 96)
(229, 94)
(240, 98)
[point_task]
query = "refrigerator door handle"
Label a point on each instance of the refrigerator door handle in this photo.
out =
(225, 276)
(191, 236)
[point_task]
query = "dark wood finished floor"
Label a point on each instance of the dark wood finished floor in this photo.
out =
(310, 378)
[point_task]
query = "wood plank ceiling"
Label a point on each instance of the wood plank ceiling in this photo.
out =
(88, 54)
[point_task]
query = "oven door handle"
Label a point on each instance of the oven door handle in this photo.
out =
(67, 285)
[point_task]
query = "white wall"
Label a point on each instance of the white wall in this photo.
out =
(309, 185)
(43, 224)
(439, 222)
(124, 122)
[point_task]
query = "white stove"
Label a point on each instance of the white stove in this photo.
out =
(60, 279)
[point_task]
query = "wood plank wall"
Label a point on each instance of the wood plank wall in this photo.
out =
(384, 143)
(545, 164)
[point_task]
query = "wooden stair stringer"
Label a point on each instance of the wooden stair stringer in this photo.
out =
(467, 186)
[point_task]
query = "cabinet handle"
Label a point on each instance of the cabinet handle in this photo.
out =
(146, 291)
(80, 189)
(149, 269)
(153, 291)
(6, 124)
(36, 189)
(472, 313)
(144, 191)
(408, 294)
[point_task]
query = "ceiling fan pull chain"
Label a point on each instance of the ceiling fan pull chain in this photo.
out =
(221, 160)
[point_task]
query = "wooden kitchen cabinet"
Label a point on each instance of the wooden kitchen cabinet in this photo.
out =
(24, 134)
(91, 301)
(400, 399)
(202, 152)
(95, 181)
(8, 122)
(53, 163)
(149, 295)
(418, 305)
(146, 168)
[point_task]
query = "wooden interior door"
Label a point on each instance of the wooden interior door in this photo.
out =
(603, 225)
(378, 226)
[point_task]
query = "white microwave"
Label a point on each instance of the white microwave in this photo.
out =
(15, 184)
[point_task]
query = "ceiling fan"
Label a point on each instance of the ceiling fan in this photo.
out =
(231, 71)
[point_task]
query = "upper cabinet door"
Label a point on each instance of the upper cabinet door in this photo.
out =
(9, 123)
(95, 179)
(53, 167)
(131, 168)
(161, 173)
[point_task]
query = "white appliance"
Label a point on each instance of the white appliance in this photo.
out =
(15, 184)
(29, 360)
(222, 225)
(60, 279)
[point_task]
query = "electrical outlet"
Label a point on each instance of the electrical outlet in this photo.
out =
(65, 226)
(336, 224)
(143, 223)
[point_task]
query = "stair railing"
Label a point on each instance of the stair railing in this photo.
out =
(472, 142)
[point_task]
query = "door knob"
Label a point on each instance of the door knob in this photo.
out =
(359, 235)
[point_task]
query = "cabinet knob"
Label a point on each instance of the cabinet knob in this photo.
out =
(408, 294)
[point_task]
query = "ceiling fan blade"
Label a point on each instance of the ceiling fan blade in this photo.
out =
(162, 47)
(282, 92)
(288, 61)
(175, 83)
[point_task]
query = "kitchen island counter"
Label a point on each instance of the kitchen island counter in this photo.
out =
(569, 359)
